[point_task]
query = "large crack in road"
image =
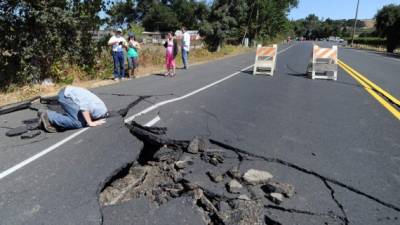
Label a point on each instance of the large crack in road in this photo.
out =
(208, 173)
(205, 176)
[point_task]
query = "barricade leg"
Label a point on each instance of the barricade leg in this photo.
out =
(313, 71)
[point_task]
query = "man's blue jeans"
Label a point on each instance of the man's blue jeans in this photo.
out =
(185, 56)
(73, 119)
(119, 64)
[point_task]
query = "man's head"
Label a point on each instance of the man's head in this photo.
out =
(118, 31)
(183, 29)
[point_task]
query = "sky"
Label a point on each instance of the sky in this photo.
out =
(338, 9)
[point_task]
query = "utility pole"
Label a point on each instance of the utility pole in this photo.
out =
(257, 15)
(355, 24)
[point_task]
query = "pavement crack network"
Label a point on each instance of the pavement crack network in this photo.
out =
(298, 211)
(340, 205)
(310, 172)
(199, 169)
(124, 111)
(159, 175)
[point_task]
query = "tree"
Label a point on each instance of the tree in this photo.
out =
(388, 25)
(269, 18)
(189, 13)
(160, 18)
(86, 13)
(260, 19)
(185, 12)
(219, 24)
(122, 12)
(37, 34)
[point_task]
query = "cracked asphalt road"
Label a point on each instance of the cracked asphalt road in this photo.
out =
(333, 128)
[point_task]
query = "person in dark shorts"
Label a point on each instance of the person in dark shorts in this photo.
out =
(133, 55)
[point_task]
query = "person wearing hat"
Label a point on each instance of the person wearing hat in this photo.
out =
(133, 54)
(118, 43)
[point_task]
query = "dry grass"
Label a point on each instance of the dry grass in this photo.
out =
(151, 60)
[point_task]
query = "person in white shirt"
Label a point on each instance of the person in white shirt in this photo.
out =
(185, 47)
(118, 43)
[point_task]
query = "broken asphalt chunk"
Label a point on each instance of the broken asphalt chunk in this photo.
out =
(193, 146)
(203, 144)
(16, 131)
(276, 198)
(256, 192)
(31, 134)
(181, 164)
(234, 173)
(165, 154)
(215, 178)
(244, 197)
(254, 177)
(234, 186)
(286, 189)
(198, 145)
(17, 106)
(214, 161)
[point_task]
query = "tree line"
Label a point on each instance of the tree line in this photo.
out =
(386, 30)
(312, 27)
(219, 21)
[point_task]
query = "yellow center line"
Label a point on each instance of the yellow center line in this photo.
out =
(374, 86)
(370, 89)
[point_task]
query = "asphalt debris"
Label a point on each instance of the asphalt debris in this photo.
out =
(209, 173)
(169, 169)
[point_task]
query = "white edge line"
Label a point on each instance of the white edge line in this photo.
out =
(40, 154)
(152, 122)
(155, 106)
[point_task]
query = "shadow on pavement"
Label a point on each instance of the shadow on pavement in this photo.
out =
(250, 72)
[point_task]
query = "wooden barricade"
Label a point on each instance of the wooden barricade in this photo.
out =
(324, 63)
(265, 61)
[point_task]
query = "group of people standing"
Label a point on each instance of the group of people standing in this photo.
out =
(119, 45)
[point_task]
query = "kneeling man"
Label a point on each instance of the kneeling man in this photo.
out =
(82, 108)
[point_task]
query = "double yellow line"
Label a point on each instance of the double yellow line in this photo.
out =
(378, 93)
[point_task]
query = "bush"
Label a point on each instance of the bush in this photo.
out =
(36, 35)
(371, 41)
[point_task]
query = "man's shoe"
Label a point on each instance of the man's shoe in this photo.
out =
(46, 123)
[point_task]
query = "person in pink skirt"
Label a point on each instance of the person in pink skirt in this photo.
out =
(171, 46)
